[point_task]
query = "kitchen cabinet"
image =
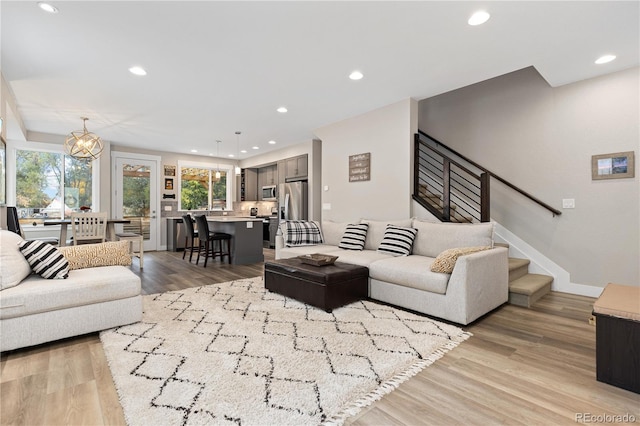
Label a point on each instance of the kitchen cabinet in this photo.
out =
(249, 185)
(282, 171)
(267, 175)
(296, 168)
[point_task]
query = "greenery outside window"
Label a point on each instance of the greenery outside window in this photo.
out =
(51, 185)
(201, 190)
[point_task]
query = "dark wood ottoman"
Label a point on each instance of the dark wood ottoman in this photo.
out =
(326, 287)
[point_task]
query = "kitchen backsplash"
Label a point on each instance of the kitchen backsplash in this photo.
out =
(241, 208)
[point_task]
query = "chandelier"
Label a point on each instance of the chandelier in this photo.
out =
(83, 144)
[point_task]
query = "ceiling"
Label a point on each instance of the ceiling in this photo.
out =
(215, 68)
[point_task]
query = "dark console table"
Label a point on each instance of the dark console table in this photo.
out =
(326, 287)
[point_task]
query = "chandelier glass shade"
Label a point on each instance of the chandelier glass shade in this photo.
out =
(83, 144)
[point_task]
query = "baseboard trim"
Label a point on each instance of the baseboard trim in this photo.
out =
(581, 290)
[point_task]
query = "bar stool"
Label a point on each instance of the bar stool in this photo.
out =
(190, 233)
(209, 239)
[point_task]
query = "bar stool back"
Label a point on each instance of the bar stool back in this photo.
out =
(207, 240)
(190, 233)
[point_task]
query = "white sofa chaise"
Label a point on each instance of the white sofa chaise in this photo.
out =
(38, 310)
(477, 284)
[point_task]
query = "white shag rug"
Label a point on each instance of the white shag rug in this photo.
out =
(235, 354)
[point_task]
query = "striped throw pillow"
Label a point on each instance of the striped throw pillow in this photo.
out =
(302, 233)
(45, 259)
(397, 240)
(354, 236)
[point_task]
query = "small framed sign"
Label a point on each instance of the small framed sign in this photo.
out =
(168, 184)
(360, 167)
(613, 166)
(169, 170)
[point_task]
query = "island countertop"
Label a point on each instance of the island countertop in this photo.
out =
(232, 219)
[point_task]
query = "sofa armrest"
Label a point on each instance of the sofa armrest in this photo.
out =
(480, 281)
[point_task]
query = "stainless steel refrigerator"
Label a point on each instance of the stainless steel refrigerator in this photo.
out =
(293, 201)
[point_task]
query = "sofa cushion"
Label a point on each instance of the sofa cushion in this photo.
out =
(45, 259)
(376, 231)
(434, 238)
(332, 232)
(302, 233)
(13, 266)
(109, 253)
(397, 240)
(354, 237)
(410, 271)
(362, 258)
(83, 287)
(446, 261)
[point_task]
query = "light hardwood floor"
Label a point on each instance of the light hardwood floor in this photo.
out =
(522, 366)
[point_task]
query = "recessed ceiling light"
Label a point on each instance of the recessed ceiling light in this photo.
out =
(272, 142)
(478, 18)
(137, 70)
(231, 155)
(47, 7)
(194, 150)
(255, 147)
(604, 59)
(356, 75)
(282, 110)
(244, 151)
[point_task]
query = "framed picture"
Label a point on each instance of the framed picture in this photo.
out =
(613, 166)
(169, 170)
(168, 184)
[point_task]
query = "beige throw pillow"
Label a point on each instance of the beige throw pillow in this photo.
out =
(446, 261)
(102, 254)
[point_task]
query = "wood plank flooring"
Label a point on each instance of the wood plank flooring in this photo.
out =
(522, 366)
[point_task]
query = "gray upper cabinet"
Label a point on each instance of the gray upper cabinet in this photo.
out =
(267, 175)
(282, 170)
(296, 167)
(249, 185)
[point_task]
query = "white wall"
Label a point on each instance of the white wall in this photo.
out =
(541, 139)
(387, 134)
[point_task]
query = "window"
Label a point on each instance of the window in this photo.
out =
(200, 189)
(51, 185)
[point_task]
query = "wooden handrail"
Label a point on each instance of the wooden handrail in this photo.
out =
(493, 175)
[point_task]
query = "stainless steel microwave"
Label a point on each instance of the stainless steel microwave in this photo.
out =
(269, 193)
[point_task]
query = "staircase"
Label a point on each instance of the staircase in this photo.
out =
(460, 193)
(525, 288)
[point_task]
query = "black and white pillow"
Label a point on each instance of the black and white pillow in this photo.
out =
(302, 233)
(354, 237)
(45, 259)
(398, 240)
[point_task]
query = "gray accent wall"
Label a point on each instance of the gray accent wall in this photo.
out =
(541, 139)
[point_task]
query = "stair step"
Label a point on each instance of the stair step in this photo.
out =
(518, 268)
(527, 290)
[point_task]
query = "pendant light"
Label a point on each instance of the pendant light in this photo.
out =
(238, 151)
(83, 144)
(218, 165)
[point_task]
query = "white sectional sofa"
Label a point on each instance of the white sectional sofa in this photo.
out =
(35, 310)
(477, 284)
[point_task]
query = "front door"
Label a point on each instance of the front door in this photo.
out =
(136, 192)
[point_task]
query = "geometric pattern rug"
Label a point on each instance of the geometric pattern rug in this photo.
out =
(235, 354)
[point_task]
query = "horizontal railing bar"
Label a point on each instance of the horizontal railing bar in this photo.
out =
(493, 175)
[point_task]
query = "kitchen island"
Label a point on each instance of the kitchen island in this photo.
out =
(246, 237)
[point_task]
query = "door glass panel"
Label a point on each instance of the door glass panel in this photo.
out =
(136, 198)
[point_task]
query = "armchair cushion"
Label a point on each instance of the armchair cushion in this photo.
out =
(102, 254)
(45, 259)
(13, 266)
